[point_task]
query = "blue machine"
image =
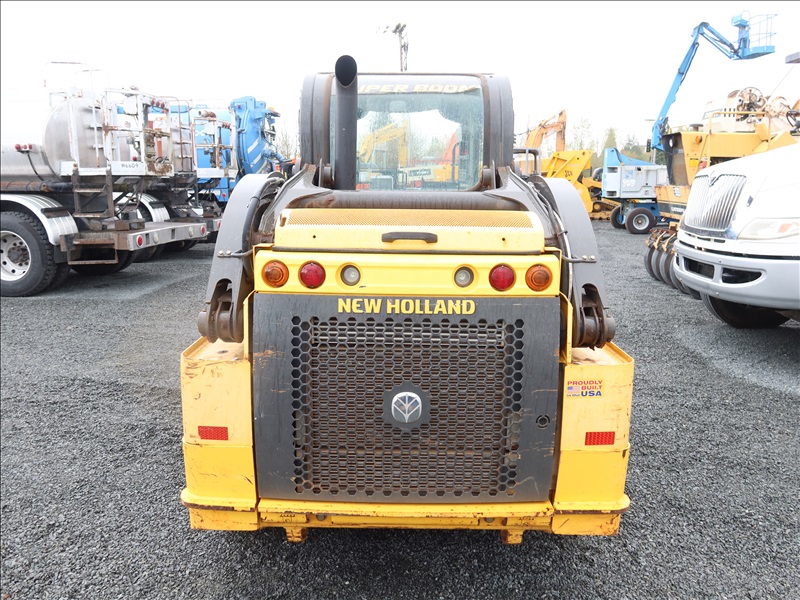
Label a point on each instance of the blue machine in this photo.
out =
(629, 181)
(250, 141)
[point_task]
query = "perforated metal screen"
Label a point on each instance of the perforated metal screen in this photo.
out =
(324, 385)
(344, 444)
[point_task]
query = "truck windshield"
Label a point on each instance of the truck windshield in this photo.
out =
(419, 132)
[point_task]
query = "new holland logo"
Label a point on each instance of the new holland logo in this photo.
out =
(406, 406)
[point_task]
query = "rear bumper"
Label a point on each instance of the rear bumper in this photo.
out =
(512, 520)
(221, 491)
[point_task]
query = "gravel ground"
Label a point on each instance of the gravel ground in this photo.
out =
(92, 464)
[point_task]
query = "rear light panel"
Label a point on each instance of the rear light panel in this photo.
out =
(426, 275)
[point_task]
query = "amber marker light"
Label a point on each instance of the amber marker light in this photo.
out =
(275, 273)
(312, 275)
(538, 278)
(502, 277)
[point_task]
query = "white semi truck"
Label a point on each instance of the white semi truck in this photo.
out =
(738, 244)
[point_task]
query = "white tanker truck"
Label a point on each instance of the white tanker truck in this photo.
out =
(92, 189)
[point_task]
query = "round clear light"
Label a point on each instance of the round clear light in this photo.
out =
(464, 277)
(351, 275)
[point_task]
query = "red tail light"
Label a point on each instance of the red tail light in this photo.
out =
(312, 275)
(502, 277)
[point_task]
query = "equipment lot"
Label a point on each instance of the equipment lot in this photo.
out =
(92, 465)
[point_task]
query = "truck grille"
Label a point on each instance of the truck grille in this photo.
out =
(330, 388)
(712, 203)
(343, 444)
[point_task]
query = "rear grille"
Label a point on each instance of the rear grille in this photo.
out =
(383, 406)
(712, 203)
(343, 444)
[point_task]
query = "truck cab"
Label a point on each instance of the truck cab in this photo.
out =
(738, 243)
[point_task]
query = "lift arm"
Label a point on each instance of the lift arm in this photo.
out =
(741, 51)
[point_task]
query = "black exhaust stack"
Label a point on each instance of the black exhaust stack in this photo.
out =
(344, 164)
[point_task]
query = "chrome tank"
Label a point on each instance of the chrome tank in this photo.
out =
(91, 133)
(72, 130)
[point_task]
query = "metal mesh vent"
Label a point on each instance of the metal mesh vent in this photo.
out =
(713, 202)
(343, 444)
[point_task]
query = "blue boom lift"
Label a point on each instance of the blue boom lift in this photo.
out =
(753, 41)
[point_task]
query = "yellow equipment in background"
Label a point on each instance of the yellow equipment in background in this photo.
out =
(572, 165)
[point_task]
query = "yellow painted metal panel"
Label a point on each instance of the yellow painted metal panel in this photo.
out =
(598, 390)
(586, 524)
(491, 231)
(216, 391)
(218, 475)
(591, 476)
(521, 510)
(223, 520)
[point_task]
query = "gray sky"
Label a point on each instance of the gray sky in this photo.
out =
(611, 63)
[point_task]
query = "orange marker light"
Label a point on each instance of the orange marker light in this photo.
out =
(275, 273)
(538, 278)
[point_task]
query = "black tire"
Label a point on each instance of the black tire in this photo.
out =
(616, 219)
(648, 265)
(149, 254)
(743, 316)
(27, 258)
(655, 263)
(125, 259)
(676, 283)
(181, 246)
(665, 265)
(640, 220)
(62, 272)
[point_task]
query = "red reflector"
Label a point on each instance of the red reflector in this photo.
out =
(312, 275)
(139, 240)
(501, 277)
(599, 438)
(202, 229)
(209, 432)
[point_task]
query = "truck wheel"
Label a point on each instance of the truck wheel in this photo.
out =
(640, 220)
(27, 263)
(125, 259)
(616, 218)
(181, 246)
(62, 272)
(743, 316)
(149, 254)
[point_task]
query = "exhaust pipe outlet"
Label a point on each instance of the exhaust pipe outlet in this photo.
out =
(344, 148)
